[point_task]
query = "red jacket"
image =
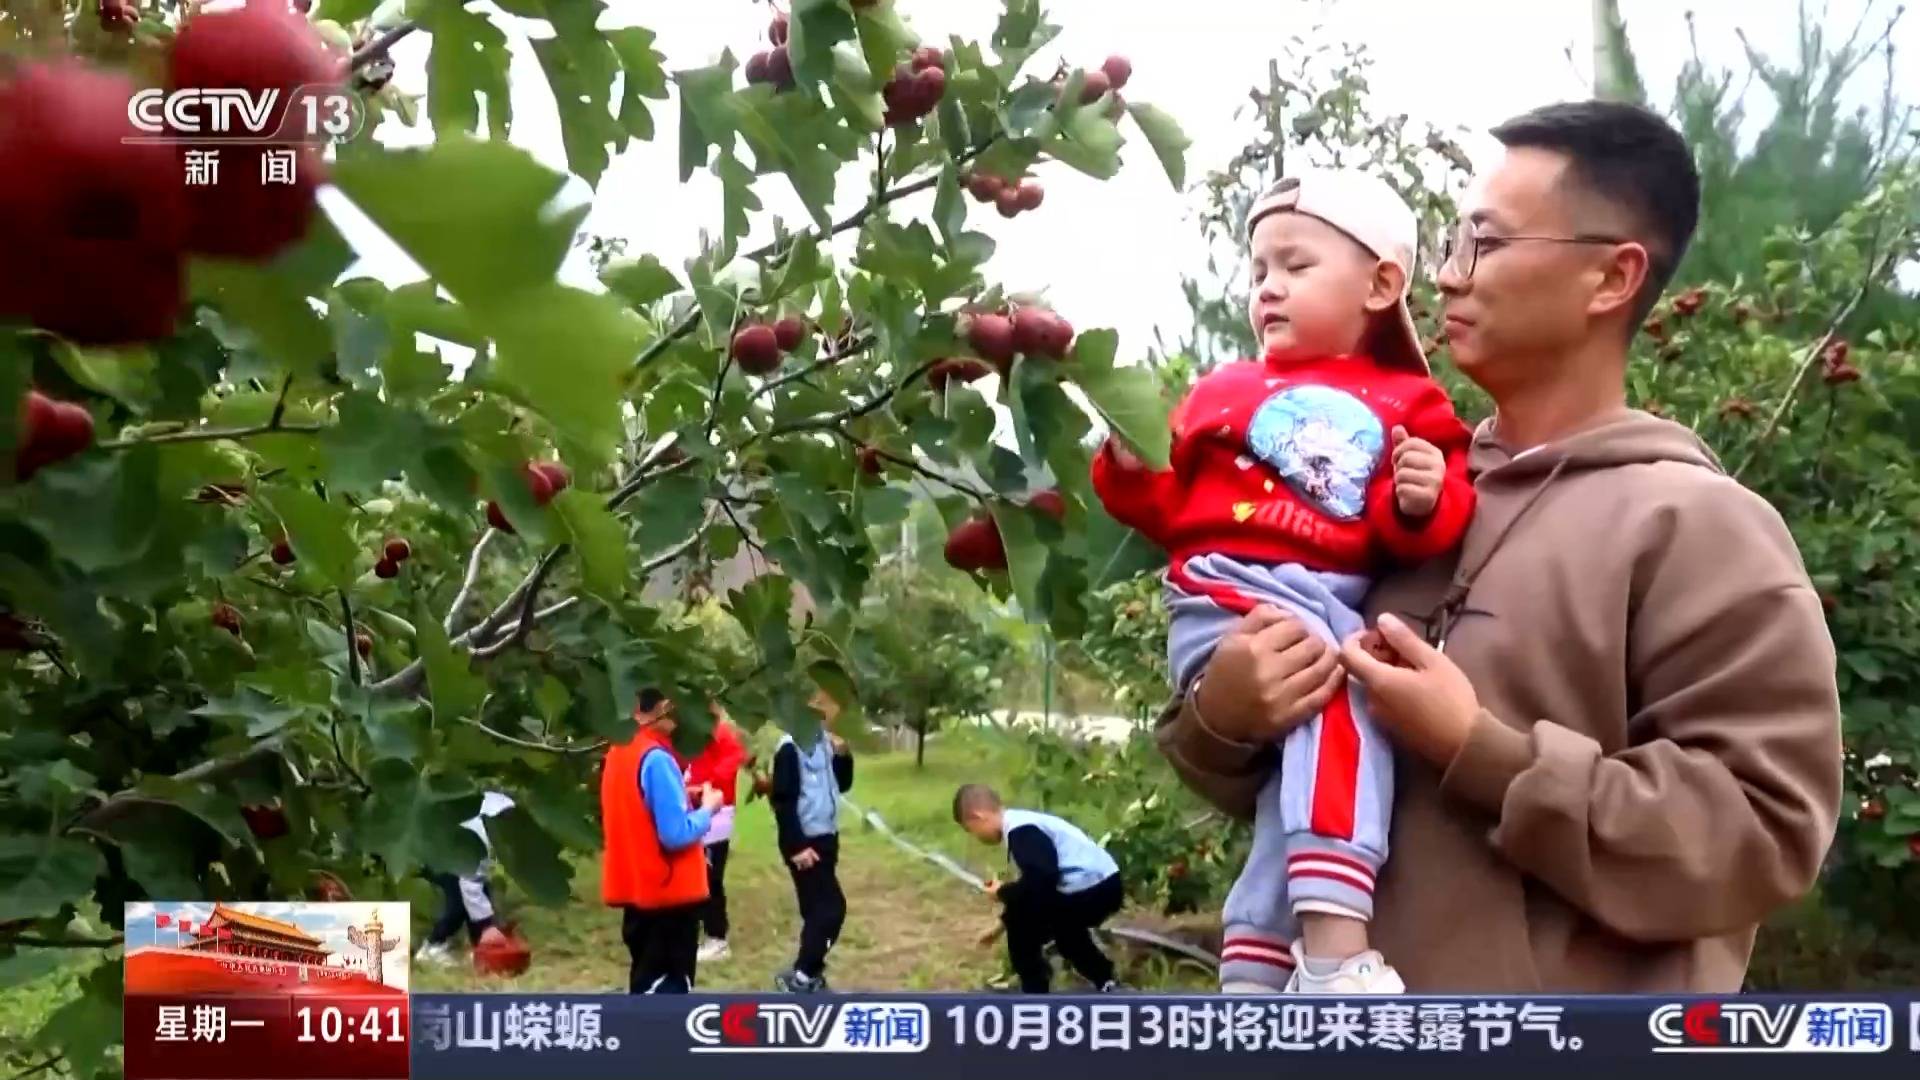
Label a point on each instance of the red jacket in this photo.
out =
(635, 871)
(1293, 462)
(719, 764)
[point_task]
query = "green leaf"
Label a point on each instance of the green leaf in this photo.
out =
(127, 375)
(413, 819)
(416, 307)
(475, 215)
(640, 281)
(706, 113)
(532, 856)
(410, 373)
(1864, 664)
(580, 68)
(455, 689)
(270, 300)
(156, 844)
(718, 303)
(1129, 398)
(372, 442)
(883, 39)
(788, 133)
(75, 1030)
(737, 199)
(1116, 552)
(815, 28)
(360, 340)
(318, 531)
(40, 873)
(565, 354)
(1168, 141)
(645, 78)
(668, 511)
(1026, 556)
(884, 506)
(599, 539)
(100, 512)
(1088, 141)
(260, 713)
(344, 11)
(469, 62)
(764, 608)
(564, 807)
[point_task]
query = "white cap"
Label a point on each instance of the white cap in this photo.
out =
(1367, 209)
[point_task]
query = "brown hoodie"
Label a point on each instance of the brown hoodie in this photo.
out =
(1657, 763)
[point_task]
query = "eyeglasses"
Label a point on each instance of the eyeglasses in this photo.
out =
(1464, 247)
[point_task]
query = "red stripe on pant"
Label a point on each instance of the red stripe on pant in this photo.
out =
(1336, 775)
(1224, 595)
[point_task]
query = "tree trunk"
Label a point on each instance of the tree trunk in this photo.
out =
(920, 744)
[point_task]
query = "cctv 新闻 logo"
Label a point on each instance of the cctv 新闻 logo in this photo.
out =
(226, 114)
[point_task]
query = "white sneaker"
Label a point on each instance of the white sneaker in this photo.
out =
(439, 955)
(713, 949)
(1367, 973)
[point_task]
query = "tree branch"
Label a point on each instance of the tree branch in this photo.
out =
(476, 721)
(280, 404)
(340, 755)
(466, 585)
(32, 1070)
(380, 46)
(908, 463)
(64, 943)
(210, 771)
(529, 596)
(353, 644)
(1875, 267)
(214, 434)
(854, 348)
(828, 423)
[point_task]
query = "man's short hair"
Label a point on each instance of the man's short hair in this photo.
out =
(972, 799)
(650, 698)
(1631, 158)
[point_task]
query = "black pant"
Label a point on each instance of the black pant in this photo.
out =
(1066, 920)
(714, 916)
(664, 943)
(453, 911)
(823, 907)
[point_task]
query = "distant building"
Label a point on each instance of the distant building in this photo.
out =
(237, 933)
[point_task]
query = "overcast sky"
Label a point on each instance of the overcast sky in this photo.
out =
(1112, 253)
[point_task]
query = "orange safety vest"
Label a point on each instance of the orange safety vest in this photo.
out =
(635, 871)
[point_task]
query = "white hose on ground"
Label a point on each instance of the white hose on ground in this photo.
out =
(954, 869)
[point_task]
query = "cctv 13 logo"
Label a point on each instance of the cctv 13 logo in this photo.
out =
(1790, 1027)
(748, 1027)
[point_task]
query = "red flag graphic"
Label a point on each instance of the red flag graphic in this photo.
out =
(162, 919)
(186, 926)
(226, 934)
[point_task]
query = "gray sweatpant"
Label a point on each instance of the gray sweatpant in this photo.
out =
(1320, 826)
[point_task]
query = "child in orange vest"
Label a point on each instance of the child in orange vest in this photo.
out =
(654, 868)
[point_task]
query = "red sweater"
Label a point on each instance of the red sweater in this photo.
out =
(719, 764)
(1293, 463)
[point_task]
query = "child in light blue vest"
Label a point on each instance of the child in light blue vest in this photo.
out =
(1068, 886)
(807, 784)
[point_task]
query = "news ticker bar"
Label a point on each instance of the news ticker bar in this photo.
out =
(851, 1037)
(939, 1036)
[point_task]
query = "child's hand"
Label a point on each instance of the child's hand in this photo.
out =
(992, 887)
(1419, 468)
(1123, 456)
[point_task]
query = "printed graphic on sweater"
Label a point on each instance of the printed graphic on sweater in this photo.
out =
(1324, 442)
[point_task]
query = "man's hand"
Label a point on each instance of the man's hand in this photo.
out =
(710, 798)
(1419, 697)
(805, 859)
(1268, 675)
(1419, 468)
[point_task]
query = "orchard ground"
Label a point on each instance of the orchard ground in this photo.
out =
(910, 926)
